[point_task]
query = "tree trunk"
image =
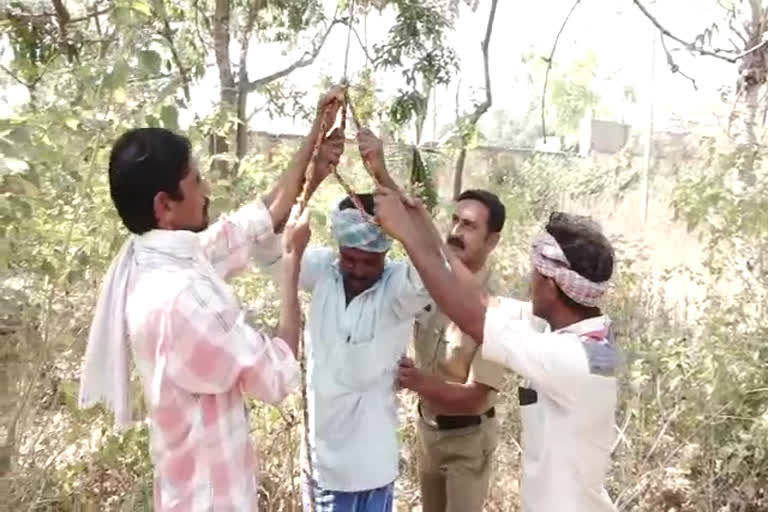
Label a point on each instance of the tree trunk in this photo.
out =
(241, 130)
(219, 144)
(480, 109)
(458, 174)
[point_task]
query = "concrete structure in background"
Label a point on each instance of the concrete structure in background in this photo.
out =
(601, 136)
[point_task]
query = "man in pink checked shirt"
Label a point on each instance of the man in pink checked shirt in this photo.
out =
(166, 297)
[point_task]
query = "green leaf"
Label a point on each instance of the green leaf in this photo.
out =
(118, 76)
(170, 116)
(151, 61)
(5, 253)
(72, 123)
(142, 6)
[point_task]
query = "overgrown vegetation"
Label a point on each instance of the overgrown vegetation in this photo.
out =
(693, 419)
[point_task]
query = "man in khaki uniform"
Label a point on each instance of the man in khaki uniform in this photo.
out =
(457, 430)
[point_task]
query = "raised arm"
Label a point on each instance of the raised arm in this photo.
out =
(372, 153)
(215, 349)
(248, 233)
(282, 197)
(462, 302)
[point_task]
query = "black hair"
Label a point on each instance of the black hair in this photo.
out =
(143, 162)
(365, 199)
(497, 213)
(589, 252)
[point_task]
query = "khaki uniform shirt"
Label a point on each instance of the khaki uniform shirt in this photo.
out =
(443, 350)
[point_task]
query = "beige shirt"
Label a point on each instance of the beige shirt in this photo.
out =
(443, 350)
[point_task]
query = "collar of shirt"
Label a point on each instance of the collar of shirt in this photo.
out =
(597, 324)
(175, 243)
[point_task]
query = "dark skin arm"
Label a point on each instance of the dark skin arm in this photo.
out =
(372, 153)
(446, 396)
(463, 303)
(281, 198)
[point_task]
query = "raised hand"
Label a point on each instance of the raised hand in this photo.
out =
(330, 152)
(372, 152)
(392, 214)
(297, 234)
(328, 106)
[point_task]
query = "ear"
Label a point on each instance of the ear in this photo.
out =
(493, 240)
(161, 205)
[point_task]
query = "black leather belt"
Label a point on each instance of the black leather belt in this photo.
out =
(453, 422)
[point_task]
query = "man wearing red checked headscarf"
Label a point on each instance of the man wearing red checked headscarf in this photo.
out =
(568, 399)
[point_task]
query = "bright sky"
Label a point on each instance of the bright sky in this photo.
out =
(615, 30)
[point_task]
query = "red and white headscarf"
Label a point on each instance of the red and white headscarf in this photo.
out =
(549, 260)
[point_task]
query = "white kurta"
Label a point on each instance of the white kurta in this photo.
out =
(568, 406)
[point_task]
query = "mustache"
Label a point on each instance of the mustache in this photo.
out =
(455, 241)
(354, 278)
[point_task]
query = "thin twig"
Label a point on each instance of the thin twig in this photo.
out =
(368, 57)
(167, 34)
(759, 46)
(549, 67)
(305, 60)
(69, 21)
(673, 65)
(690, 46)
(94, 14)
(14, 76)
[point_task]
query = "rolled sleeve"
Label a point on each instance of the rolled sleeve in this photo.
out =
(486, 372)
(240, 237)
(212, 349)
(550, 361)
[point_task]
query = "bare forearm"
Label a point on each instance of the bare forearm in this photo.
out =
(383, 177)
(464, 305)
(282, 197)
(290, 312)
(452, 397)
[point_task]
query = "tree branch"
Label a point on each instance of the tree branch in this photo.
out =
(86, 17)
(480, 108)
(689, 46)
(305, 60)
(241, 131)
(94, 14)
(15, 77)
(167, 34)
(221, 48)
(672, 65)
(359, 41)
(549, 68)
(758, 46)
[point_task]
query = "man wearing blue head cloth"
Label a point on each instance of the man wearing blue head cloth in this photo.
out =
(359, 324)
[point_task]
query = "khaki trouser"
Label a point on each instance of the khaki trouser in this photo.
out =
(455, 466)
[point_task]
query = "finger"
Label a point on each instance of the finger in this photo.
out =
(410, 201)
(335, 94)
(383, 191)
